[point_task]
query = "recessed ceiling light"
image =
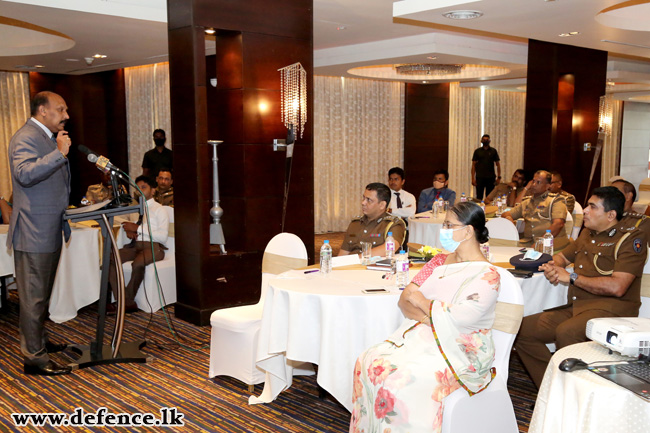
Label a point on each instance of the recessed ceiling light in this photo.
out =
(424, 82)
(566, 35)
(39, 66)
(462, 15)
(432, 57)
(99, 56)
(341, 28)
(210, 31)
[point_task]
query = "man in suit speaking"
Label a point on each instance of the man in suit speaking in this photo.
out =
(41, 185)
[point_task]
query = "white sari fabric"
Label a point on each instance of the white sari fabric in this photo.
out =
(400, 384)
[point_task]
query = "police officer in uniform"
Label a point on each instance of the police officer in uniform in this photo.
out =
(375, 223)
(632, 220)
(541, 211)
(164, 192)
(605, 282)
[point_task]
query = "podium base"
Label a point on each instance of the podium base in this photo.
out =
(129, 352)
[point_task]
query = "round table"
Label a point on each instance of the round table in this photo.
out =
(328, 321)
(581, 401)
(424, 228)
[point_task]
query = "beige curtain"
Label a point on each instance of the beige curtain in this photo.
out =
(612, 146)
(147, 108)
(14, 112)
(358, 137)
(464, 136)
(504, 122)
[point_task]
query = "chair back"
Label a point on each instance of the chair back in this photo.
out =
(284, 252)
(171, 242)
(578, 215)
(502, 229)
(568, 224)
(509, 313)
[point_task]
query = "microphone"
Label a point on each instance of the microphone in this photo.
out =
(102, 163)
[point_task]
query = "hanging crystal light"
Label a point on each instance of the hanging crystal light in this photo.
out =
(293, 96)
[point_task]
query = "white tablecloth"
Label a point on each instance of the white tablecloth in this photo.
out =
(425, 229)
(539, 294)
(77, 277)
(327, 321)
(581, 401)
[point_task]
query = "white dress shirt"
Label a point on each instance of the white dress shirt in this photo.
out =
(409, 204)
(159, 223)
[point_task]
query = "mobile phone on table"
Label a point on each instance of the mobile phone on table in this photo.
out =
(371, 291)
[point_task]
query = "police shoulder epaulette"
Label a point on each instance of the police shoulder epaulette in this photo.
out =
(357, 218)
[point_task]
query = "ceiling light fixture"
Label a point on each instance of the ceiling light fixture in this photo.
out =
(566, 35)
(428, 69)
(210, 31)
(432, 57)
(462, 15)
(99, 56)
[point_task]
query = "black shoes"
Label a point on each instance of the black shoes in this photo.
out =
(49, 369)
(54, 348)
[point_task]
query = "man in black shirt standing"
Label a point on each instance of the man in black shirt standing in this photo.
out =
(483, 162)
(157, 158)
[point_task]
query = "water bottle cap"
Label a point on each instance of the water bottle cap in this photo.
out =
(390, 233)
(548, 231)
(402, 251)
(326, 241)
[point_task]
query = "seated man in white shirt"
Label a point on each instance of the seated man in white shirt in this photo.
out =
(140, 250)
(402, 203)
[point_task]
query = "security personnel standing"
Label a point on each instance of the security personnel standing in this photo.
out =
(605, 282)
(542, 211)
(375, 223)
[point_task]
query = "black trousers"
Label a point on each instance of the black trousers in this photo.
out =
(35, 274)
(484, 184)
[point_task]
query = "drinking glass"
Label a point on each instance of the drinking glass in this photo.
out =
(366, 248)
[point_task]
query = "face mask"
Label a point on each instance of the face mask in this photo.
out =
(447, 239)
(438, 185)
(159, 141)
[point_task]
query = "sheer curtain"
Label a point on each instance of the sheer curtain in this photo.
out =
(14, 112)
(612, 146)
(358, 137)
(504, 122)
(464, 136)
(147, 108)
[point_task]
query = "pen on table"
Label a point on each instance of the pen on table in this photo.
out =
(419, 217)
(311, 271)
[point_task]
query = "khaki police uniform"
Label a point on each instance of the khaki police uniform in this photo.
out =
(570, 200)
(632, 221)
(538, 214)
(363, 229)
(500, 189)
(98, 193)
(593, 255)
(165, 198)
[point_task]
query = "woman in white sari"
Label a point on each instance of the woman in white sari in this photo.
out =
(444, 344)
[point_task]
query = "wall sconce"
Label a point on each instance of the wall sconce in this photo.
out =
(213, 82)
(605, 117)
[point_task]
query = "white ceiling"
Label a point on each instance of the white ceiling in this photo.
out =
(352, 33)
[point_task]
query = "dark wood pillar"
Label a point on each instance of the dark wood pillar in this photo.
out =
(253, 40)
(426, 134)
(564, 87)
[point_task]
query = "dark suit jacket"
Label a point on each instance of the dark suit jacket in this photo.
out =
(41, 187)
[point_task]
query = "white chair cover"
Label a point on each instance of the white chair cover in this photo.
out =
(501, 228)
(491, 409)
(233, 343)
(148, 297)
(578, 215)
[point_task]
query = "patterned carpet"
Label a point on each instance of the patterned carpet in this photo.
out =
(177, 377)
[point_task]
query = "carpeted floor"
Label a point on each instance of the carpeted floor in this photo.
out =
(177, 377)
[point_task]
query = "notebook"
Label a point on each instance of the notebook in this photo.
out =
(634, 376)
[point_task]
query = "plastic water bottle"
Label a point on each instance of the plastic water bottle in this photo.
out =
(435, 209)
(402, 269)
(548, 242)
(325, 258)
(463, 198)
(390, 245)
(485, 249)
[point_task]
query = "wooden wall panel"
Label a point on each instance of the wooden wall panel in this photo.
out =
(426, 134)
(563, 90)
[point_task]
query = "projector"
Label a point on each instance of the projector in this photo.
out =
(629, 336)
